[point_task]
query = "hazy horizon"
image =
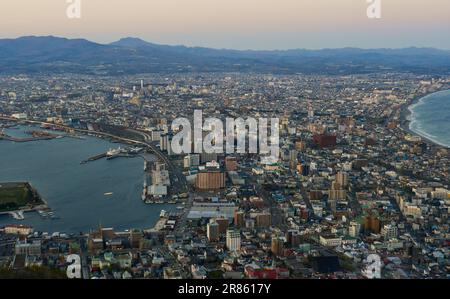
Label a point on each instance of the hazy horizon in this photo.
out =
(237, 24)
(194, 46)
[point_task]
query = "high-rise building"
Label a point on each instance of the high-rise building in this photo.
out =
(233, 240)
(223, 224)
(277, 245)
(336, 192)
(212, 231)
(293, 238)
(354, 229)
(239, 219)
(191, 160)
(210, 178)
(372, 224)
(342, 179)
(165, 143)
(135, 238)
(263, 219)
(300, 145)
(293, 159)
(389, 231)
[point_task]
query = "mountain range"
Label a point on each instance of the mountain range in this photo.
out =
(49, 54)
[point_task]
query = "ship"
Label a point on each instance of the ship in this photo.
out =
(114, 153)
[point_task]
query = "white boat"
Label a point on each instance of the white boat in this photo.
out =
(114, 152)
(17, 215)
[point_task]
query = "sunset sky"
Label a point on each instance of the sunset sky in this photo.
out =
(238, 24)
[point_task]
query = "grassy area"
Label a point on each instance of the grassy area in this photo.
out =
(14, 196)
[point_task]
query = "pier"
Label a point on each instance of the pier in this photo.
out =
(94, 158)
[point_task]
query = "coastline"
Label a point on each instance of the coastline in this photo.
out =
(406, 114)
(40, 203)
(142, 216)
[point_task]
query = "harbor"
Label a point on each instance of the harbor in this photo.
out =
(77, 194)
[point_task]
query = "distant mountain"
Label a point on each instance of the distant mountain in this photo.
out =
(48, 54)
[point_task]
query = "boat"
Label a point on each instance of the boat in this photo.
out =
(114, 152)
(108, 193)
(17, 215)
(118, 152)
(43, 214)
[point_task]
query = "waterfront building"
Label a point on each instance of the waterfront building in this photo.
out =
(18, 229)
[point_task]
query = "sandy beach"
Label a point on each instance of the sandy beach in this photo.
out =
(405, 118)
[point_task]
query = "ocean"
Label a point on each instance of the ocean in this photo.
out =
(430, 117)
(76, 192)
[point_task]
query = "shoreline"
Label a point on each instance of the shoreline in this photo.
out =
(41, 205)
(406, 114)
(34, 220)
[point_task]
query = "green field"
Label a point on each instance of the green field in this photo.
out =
(14, 196)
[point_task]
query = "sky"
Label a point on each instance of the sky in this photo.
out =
(237, 24)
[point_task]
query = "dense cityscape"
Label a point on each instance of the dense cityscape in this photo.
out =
(352, 180)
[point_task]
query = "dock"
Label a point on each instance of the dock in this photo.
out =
(94, 158)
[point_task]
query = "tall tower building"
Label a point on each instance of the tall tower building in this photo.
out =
(342, 179)
(277, 245)
(212, 231)
(239, 219)
(233, 240)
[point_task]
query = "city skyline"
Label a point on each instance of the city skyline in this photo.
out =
(258, 25)
(223, 145)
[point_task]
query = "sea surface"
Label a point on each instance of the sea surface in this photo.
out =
(76, 192)
(430, 117)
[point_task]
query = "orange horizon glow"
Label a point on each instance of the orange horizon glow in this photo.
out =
(240, 24)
